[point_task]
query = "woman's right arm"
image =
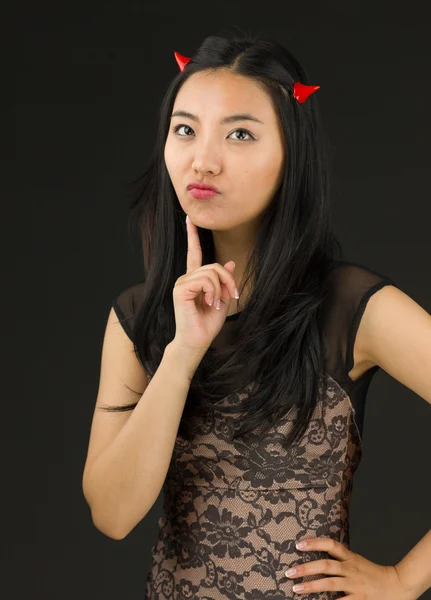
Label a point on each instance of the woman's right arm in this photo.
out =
(124, 480)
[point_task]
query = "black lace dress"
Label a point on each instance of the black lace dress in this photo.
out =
(233, 511)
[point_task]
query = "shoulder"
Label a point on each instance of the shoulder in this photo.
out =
(132, 291)
(127, 299)
(126, 305)
(353, 283)
(355, 293)
(352, 272)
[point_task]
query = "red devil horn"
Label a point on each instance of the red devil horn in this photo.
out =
(181, 60)
(301, 91)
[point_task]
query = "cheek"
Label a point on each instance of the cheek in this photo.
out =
(263, 176)
(175, 164)
(171, 158)
(272, 173)
(168, 156)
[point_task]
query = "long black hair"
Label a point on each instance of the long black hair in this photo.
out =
(279, 341)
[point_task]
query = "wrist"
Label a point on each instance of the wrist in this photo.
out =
(185, 360)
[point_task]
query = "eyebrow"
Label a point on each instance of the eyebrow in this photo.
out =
(228, 119)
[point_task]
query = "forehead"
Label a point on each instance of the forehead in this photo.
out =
(219, 92)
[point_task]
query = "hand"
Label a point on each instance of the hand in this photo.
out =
(352, 574)
(197, 321)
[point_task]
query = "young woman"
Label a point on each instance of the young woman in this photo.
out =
(247, 409)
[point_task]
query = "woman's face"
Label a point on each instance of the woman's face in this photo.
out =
(243, 159)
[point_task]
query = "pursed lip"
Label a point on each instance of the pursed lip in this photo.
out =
(202, 186)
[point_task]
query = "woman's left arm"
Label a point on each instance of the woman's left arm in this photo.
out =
(396, 335)
(414, 570)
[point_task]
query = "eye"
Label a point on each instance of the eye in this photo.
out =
(245, 131)
(177, 127)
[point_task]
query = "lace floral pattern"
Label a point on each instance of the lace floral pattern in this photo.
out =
(233, 511)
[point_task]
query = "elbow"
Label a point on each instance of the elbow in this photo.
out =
(116, 526)
(109, 531)
(103, 524)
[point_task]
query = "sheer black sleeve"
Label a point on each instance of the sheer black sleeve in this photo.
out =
(126, 304)
(352, 287)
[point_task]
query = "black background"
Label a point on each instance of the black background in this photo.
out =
(82, 82)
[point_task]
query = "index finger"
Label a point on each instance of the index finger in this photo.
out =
(194, 250)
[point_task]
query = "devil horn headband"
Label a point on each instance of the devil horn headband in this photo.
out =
(300, 90)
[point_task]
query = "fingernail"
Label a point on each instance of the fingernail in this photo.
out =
(187, 218)
(236, 294)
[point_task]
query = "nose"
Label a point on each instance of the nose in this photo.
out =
(206, 158)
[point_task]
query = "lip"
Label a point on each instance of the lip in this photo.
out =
(202, 186)
(199, 193)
